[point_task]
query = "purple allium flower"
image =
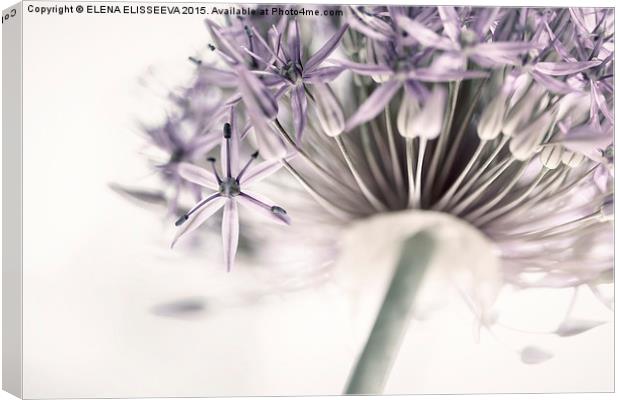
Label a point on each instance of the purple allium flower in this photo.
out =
(505, 122)
(230, 190)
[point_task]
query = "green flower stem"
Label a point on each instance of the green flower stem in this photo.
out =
(374, 364)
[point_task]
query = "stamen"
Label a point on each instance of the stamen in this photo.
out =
(227, 136)
(195, 60)
(185, 217)
(253, 157)
(217, 176)
(278, 210)
(358, 179)
(181, 220)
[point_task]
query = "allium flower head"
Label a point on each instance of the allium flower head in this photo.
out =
(500, 117)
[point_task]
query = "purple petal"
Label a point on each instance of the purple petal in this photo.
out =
(230, 232)
(600, 101)
(258, 99)
(199, 217)
(260, 172)
(486, 17)
(564, 68)
(299, 105)
(218, 77)
(264, 207)
(197, 175)
(374, 104)
(327, 49)
(294, 41)
(426, 37)
(369, 32)
(203, 144)
(502, 49)
(552, 84)
(366, 69)
(586, 140)
(323, 74)
(451, 22)
(432, 75)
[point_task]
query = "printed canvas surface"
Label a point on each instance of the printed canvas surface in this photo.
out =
(233, 200)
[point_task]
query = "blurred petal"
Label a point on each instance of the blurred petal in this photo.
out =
(432, 75)
(230, 232)
(366, 69)
(552, 84)
(327, 49)
(534, 355)
(260, 172)
(299, 105)
(258, 99)
(564, 68)
(197, 175)
(451, 22)
(374, 104)
(426, 37)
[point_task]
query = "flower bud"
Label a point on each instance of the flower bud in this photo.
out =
(409, 108)
(571, 159)
(551, 156)
(526, 143)
(329, 110)
(425, 122)
(492, 118)
(520, 114)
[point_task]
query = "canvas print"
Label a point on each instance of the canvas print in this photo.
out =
(243, 200)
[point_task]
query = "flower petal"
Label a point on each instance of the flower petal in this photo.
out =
(299, 105)
(264, 207)
(426, 37)
(197, 175)
(323, 74)
(366, 69)
(555, 85)
(432, 75)
(374, 104)
(327, 49)
(199, 217)
(230, 232)
(451, 22)
(294, 42)
(564, 68)
(260, 172)
(258, 99)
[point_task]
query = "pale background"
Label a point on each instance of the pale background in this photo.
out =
(96, 265)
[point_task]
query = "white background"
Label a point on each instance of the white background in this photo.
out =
(87, 70)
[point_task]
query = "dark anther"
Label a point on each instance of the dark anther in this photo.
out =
(211, 47)
(278, 210)
(211, 159)
(227, 131)
(255, 154)
(195, 60)
(181, 220)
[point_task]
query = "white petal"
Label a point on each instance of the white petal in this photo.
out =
(198, 175)
(230, 232)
